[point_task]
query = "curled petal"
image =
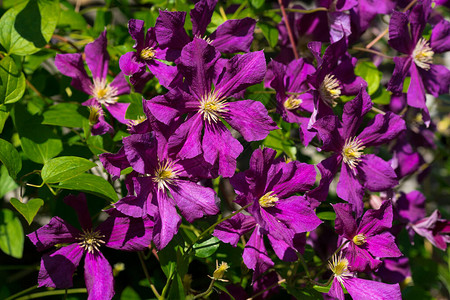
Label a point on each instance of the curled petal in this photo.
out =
(98, 276)
(57, 231)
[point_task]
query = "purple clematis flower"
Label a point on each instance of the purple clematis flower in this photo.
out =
(394, 270)
(435, 229)
(102, 93)
(269, 187)
(147, 53)
(158, 173)
(292, 79)
(418, 62)
(117, 232)
(359, 289)
(230, 37)
(368, 239)
(359, 171)
(204, 96)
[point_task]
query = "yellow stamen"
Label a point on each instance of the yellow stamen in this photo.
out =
(423, 54)
(339, 266)
(359, 239)
(220, 271)
(90, 240)
(137, 122)
(104, 93)
(330, 90)
(94, 114)
(211, 107)
(148, 53)
(352, 152)
(165, 174)
(268, 200)
(292, 103)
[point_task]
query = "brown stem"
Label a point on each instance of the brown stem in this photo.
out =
(288, 28)
(67, 41)
(372, 51)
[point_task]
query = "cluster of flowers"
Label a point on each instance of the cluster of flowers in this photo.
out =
(189, 134)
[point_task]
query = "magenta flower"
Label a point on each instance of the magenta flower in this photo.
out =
(117, 232)
(418, 62)
(368, 238)
(435, 229)
(270, 186)
(359, 289)
(359, 171)
(103, 94)
(208, 84)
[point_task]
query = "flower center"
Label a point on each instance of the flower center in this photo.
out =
(423, 54)
(90, 240)
(94, 114)
(220, 271)
(165, 174)
(359, 239)
(148, 53)
(339, 266)
(104, 93)
(137, 122)
(268, 200)
(211, 107)
(352, 151)
(292, 103)
(205, 38)
(330, 89)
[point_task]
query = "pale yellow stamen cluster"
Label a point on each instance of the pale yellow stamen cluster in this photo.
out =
(292, 103)
(330, 89)
(148, 53)
(94, 114)
(90, 240)
(165, 174)
(423, 54)
(104, 93)
(359, 239)
(268, 200)
(220, 271)
(205, 38)
(339, 266)
(352, 152)
(211, 107)
(136, 122)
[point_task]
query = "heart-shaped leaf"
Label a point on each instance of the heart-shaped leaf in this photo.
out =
(27, 210)
(11, 234)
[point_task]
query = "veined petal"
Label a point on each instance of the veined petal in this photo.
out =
(383, 245)
(336, 290)
(167, 221)
(219, 145)
(118, 110)
(382, 129)
(255, 254)
(120, 84)
(166, 74)
(234, 35)
(114, 163)
(201, 16)
(362, 289)
(141, 152)
(283, 250)
(376, 221)
(129, 64)
(349, 189)
(402, 66)
(57, 268)
(328, 131)
(327, 168)
(439, 40)
(354, 112)
(170, 29)
(399, 36)
(376, 174)
(360, 259)
(97, 58)
(98, 276)
(436, 79)
(229, 231)
(250, 118)
(416, 91)
(194, 200)
(79, 204)
(286, 179)
(57, 231)
(187, 138)
(137, 32)
(345, 223)
(71, 64)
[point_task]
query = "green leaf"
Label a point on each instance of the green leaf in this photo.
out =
(10, 158)
(381, 96)
(129, 294)
(406, 84)
(322, 289)
(206, 248)
(257, 3)
(7, 184)
(176, 290)
(69, 17)
(327, 215)
(28, 26)
(11, 234)
(65, 167)
(270, 33)
(29, 209)
(135, 110)
(90, 184)
(369, 72)
(4, 114)
(12, 81)
(39, 142)
(65, 114)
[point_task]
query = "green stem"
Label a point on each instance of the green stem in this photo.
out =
(214, 225)
(241, 7)
(371, 51)
(144, 267)
(302, 11)
(166, 287)
(52, 293)
(207, 291)
(303, 262)
(22, 292)
(266, 289)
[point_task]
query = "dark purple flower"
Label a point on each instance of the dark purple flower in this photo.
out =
(359, 289)
(204, 98)
(394, 270)
(419, 60)
(269, 187)
(147, 53)
(117, 232)
(102, 93)
(230, 37)
(368, 238)
(292, 79)
(434, 229)
(359, 171)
